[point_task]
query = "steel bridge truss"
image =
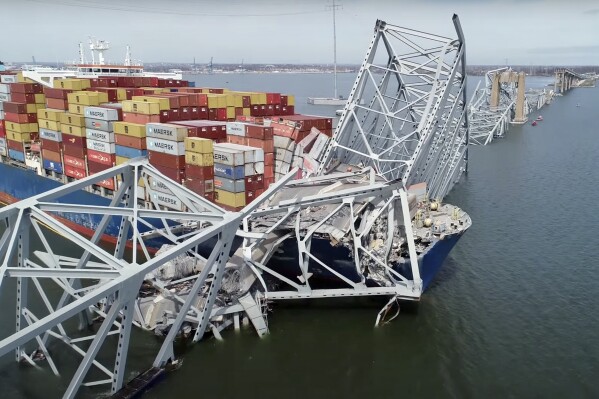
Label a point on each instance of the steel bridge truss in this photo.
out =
(104, 283)
(406, 113)
(352, 209)
(486, 122)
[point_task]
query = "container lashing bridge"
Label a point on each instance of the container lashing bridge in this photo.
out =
(405, 122)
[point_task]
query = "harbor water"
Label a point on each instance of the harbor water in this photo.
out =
(511, 314)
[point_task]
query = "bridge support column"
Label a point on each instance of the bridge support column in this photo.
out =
(495, 92)
(520, 116)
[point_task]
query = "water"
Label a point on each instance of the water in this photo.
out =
(511, 314)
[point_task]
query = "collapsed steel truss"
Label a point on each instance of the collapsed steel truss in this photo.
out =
(405, 115)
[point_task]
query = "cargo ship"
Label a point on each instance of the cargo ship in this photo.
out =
(227, 146)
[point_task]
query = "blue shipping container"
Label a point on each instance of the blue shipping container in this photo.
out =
(128, 152)
(18, 155)
(55, 166)
(232, 172)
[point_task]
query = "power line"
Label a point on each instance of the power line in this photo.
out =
(147, 10)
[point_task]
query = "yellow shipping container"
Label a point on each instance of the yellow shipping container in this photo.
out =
(193, 158)
(73, 130)
(230, 112)
(76, 109)
(72, 84)
(247, 112)
(40, 106)
(141, 107)
(31, 108)
(258, 98)
(84, 98)
(121, 94)
(199, 145)
(102, 97)
(22, 79)
(217, 100)
(48, 124)
(40, 98)
(130, 129)
(18, 136)
(72, 119)
(230, 199)
(290, 99)
(120, 161)
(21, 127)
(49, 114)
(164, 103)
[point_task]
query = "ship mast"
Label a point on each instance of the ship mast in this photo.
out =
(334, 7)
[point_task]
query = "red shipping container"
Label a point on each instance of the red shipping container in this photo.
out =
(273, 98)
(284, 100)
(56, 103)
(198, 99)
(28, 98)
(269, 172)
(270, 110)
(252, 183)
(14, 145)
(1, 123)
(101, 158)
(174, 115)
(199, 172)
(209, 196)
(73, 172)
(20, 118)
(221, 114)
(51, 156)
(185, 113)
(212, 114)
(51, 145)
(268, 181)
(266, 145)
(74, 140)
(14, 107)
(177, 175)
(203, 113)
(2, 133)
(249, 196)
(35, 88)
(96, 167)
(173, 100)
(131, 142)
(167, 160)
(277, 109)
(258, 132)
(60, 94)
(75, 162)
(246, 101)
(259, 192)
(73, 150)
(145, 119)
(206, 129)
(199, 186)
(107, 183)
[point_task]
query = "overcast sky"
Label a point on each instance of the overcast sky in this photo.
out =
(265, 31)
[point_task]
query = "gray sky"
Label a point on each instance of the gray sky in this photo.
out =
(268, 31)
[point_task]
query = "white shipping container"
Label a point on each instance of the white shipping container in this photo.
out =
(236, 129)
(167, 200)
(282, 142)
(1, 114)
(50, 135)
(5, 97)
(230, 185)
(2, 142)
(4, 88)
(105, 114)
(251, 154)
(8, 78)
(227, 156)
(166, 131)
(166, 146)
(282, 167)
(256, 168)
(159, 186)
(283, 155)
(101, 146)
(99, 135)
(319, 146)
(99, 124)
(310, 164)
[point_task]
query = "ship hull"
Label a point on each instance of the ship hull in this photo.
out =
(339, 259)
